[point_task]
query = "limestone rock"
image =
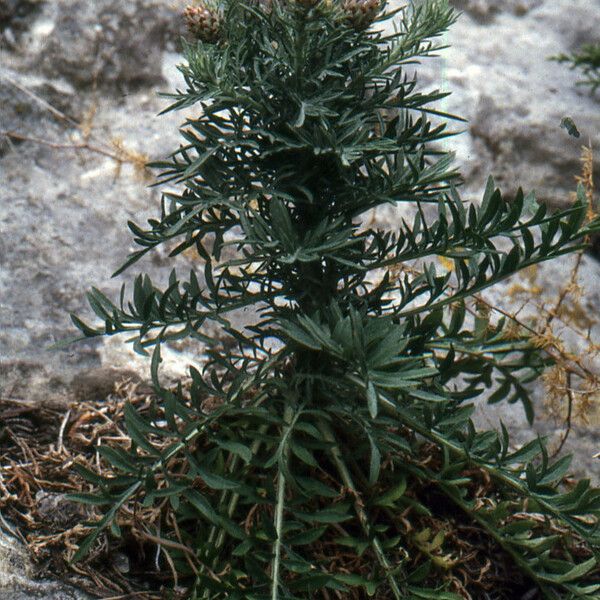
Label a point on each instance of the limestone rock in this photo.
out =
(514, 97)
(485, 10)
(23, 113)
(16, 17)
(56, 510)
(99, 383)
(31, 383)
(528, 151)
(110, 43)
(16, 577)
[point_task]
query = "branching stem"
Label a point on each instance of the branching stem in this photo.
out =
(336, 454)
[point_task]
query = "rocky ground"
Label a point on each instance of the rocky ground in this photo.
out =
(78, 105)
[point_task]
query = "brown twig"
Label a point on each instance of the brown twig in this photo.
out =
(118, 157)
(61, 432)
(113, 149)
(568, 420)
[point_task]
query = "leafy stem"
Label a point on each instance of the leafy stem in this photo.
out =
(336, 455)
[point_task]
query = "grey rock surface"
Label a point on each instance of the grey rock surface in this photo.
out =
(17, 580)
(514, 98)
(78, 83)
(15, 16)
(486, 10)
(109, 43)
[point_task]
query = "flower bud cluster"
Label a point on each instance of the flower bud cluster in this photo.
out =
(204, 22)
(361, 13)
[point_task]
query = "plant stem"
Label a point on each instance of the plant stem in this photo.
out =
(278, 529)
(498, 474)
(288, 419)
(328, 435)
(235, 496)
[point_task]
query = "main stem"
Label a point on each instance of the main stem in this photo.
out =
(288, 416)
(279, 530)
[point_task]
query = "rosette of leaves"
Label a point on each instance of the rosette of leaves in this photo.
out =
(587, 61)
(327, 449)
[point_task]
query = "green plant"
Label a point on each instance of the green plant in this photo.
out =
(327, 448)
(586, 60)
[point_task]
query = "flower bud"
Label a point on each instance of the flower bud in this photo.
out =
(204, 22)
(361, 13)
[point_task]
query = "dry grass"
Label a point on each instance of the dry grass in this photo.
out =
(39, 448)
